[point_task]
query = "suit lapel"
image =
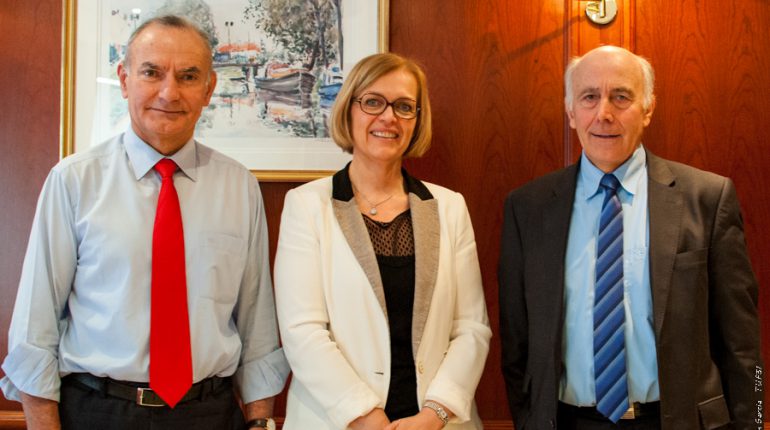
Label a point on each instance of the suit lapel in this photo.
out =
(427, 237)
(665, 207)
(556, 213)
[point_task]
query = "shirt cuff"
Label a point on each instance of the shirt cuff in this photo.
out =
(31, 370)
(263, 378)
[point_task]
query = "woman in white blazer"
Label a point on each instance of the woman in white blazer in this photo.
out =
(378, 288)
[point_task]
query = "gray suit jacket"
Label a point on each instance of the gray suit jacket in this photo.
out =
(703, 289)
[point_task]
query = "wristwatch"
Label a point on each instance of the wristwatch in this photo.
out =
(261, 423)
(440, 412)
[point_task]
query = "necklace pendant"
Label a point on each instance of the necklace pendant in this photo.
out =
(373, 211)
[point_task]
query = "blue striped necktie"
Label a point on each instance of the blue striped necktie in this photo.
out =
(609, 313)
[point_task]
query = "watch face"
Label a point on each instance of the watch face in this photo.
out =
(270, 424)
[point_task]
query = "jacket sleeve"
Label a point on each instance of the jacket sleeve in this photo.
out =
(514, 329)
(455, 382)
(315, 358)
(734, 322)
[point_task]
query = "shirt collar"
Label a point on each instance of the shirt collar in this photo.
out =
(629, 174)
(143, 157)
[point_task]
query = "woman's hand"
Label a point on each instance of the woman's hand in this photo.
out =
(374, 420)
(426, 419)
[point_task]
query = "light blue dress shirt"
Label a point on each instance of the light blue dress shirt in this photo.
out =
(83, 303)
(577, 384)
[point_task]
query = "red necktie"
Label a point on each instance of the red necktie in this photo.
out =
(170, 356)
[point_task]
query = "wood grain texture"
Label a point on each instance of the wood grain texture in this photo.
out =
(713, 105)
(494, 72)
(495, 75)
(29, 127)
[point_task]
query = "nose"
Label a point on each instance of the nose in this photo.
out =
(169, 90)
(604, 112)
(389, 113)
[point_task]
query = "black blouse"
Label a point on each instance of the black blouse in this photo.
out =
(394, 247)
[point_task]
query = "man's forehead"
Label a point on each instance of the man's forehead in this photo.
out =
(163, 41)
(612, 77)
(158, 57)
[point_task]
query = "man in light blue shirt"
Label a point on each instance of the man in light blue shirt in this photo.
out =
(627, 298)
(79, 339)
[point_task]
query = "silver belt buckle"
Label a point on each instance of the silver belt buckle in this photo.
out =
(141, 401)
(631, 413)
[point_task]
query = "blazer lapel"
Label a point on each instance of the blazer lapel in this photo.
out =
(427, 238)
(665, 204)
(355, 232)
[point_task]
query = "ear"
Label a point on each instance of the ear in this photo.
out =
(212, 84)
(648, 113)
(122, 75)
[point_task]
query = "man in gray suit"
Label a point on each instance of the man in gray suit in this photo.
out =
(627, 298)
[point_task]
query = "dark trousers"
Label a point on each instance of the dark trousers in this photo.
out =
(83, 408)
(573, 418)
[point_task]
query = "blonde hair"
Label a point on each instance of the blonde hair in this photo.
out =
(364, 74)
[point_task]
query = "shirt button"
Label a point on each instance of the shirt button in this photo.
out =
(420, 367)
(627, 283)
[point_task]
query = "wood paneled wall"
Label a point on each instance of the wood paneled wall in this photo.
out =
(29, 133)
(494, 73)
(495, 76)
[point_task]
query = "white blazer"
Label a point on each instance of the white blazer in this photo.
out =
(332, 313)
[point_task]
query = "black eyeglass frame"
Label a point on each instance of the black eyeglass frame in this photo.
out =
(387, 104)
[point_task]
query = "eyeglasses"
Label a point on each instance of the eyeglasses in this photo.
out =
(375, 104)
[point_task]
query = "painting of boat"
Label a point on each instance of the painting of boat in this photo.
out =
(288, 82)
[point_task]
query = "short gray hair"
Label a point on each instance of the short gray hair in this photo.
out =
(648, 75)
(172, 21)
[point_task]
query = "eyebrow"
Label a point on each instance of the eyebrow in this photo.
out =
(149, 65)
(612, 91)
(386, 99)
(588, 91)
(193, 69)
(622, 90)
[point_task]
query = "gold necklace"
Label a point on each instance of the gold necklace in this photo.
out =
(373, 206)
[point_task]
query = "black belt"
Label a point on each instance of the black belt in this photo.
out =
(141, 393)
(636, 410)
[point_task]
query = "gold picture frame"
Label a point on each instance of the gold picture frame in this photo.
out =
(69, 92)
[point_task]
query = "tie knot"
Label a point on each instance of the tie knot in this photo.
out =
(610, 182)
(166, 167)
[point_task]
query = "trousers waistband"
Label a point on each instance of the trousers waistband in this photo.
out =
(141, 393)
(635, 411)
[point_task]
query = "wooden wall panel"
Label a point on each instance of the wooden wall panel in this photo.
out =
(494, 72)
(495, 75)
(29, 133)
(713, 91)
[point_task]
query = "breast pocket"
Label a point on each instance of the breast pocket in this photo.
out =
(219, 266)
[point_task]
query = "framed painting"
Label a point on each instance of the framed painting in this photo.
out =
(279, 63)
